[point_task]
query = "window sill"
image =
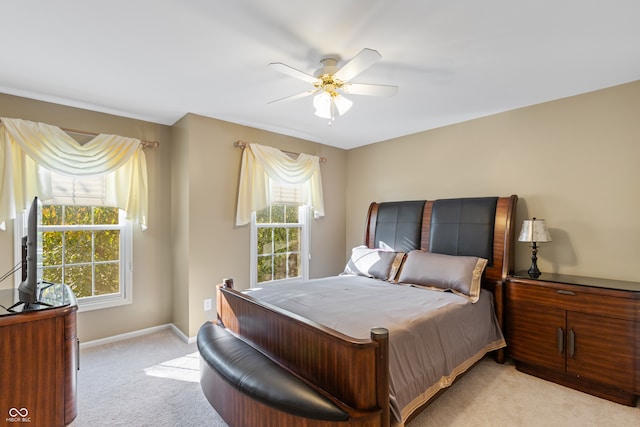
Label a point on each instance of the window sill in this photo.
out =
(99, 303)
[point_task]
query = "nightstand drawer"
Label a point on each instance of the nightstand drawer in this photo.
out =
(574, 298)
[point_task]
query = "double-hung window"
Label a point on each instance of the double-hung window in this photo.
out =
(280, 238)
(85, 244)
(276, 195)
(86, 241)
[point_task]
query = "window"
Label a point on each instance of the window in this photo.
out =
(87, 247)
(280, 244)
(276, 195)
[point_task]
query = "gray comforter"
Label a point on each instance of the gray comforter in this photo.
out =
(433, 336)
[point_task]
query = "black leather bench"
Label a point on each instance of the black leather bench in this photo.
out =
(259, 378)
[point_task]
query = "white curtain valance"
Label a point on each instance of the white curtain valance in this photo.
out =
(261, 164)
(30, 151)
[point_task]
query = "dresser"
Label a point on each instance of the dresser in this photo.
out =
(581, 332)
(39, 359)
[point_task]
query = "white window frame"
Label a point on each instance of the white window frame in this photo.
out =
(125, 296)
(305, 256)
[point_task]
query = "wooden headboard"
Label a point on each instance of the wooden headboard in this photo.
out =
(476, 226)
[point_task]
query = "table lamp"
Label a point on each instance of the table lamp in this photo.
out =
(534, 231)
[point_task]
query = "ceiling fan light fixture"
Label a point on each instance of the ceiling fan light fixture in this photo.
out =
(327, 103)
(330, 81)
(342, 104)
(322, 104)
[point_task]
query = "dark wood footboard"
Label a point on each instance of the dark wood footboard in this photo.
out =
(352, 372)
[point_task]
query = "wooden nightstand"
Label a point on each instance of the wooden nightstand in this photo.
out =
(581, 332)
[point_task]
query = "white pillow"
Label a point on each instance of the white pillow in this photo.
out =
(376, 263)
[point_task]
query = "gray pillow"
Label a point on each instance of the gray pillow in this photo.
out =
(461, 275)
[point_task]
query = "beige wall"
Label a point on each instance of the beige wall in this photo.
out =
(152, 299)
(207, 245)
(179, 237)
(192, 242)
(573, 162)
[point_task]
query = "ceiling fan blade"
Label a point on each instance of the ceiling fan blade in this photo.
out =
(296, 96)
(363, 60)
(368, 89)
(290, 71)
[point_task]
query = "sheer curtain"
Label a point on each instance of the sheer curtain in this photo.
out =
(30, 152)
(260, 164)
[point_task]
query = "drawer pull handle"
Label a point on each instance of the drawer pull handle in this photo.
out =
(560, 340)
(563, 292)
(572, 343)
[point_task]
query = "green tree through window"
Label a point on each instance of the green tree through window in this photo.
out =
(81, 247)
(278, 243)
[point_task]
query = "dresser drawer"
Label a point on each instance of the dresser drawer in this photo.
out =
(575, 298)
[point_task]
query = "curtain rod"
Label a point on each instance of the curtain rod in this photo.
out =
(145, 144)
(242, 144)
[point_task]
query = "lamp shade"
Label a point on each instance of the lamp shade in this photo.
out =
(322, 104)
(342, 104)
(534, 230)
(326, 103)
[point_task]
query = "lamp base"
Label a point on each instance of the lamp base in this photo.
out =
(533, 271)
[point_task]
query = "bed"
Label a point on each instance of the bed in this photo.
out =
(416, 307)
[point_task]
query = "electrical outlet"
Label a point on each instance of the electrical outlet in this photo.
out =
(207, 304)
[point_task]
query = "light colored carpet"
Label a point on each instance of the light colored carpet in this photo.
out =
(153, 381)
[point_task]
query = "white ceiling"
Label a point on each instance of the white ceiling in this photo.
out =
(453, 60)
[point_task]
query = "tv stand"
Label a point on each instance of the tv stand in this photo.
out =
(39, 359)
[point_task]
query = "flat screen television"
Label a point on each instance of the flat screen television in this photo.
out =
(29, 288)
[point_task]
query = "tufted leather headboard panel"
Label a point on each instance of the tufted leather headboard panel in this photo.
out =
(397, 225)
(480, 226)
(463, 227)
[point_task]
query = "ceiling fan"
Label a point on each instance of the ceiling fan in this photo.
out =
(330, 82)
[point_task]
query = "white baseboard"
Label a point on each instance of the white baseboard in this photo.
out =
(133, 334)
(178, 332)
